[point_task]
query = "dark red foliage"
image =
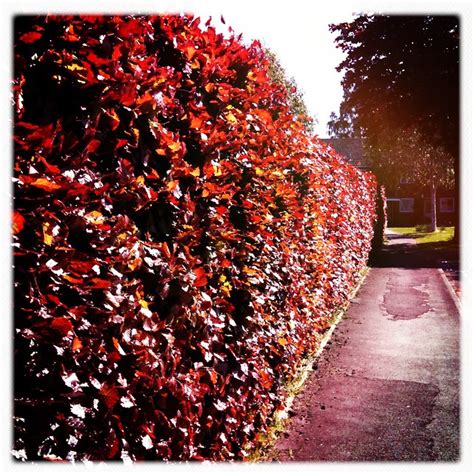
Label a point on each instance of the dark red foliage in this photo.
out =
(179, 239)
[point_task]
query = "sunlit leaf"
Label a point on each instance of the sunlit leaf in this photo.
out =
(18, 222)
(62, 325)
(110, 395)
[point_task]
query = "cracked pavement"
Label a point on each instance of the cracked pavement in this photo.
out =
(386, 387)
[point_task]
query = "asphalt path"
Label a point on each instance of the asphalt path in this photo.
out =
(386, 387)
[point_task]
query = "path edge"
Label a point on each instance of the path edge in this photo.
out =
(452, 293)
(280, 417)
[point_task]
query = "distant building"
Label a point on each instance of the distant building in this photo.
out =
(351, 149)
(408, 204)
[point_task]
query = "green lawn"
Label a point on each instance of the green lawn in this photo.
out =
(443, 235)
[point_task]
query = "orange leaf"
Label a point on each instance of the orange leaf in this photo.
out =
(174, 146)
(264, 115)
(116, 343)
(196, 122)
(172, 185)
(110, 394)
(72, 279)
(45, 184)
(133, 264)
(47, 235)
(213, 375)
(147, 97)
(70, 34)
(114, 120)
(18, 222)
(152, 175)
(266, 379)
(165, 250)
(76, 344)
(189, 52)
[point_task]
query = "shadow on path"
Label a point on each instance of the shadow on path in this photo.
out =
(428, 255)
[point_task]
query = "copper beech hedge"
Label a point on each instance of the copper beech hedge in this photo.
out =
(179, 239)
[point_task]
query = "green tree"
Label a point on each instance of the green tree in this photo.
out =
(295, 96)
(401, 94)
(410, 155)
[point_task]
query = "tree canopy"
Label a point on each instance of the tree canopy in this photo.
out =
(401, 87)
(277, 73)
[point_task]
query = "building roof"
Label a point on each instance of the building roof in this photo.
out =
(351, 149)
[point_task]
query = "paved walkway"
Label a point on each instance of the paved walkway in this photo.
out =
(386, 386)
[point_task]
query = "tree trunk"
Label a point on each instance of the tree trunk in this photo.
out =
(457, 200)
(434, 224)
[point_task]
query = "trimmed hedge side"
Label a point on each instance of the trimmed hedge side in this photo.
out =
(179, 239)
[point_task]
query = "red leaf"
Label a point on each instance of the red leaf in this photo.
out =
(129, 95)
(100, 283)
(114, 448)
(120, 143)
(31, 37)
(93, 146)
(131, 27)
(117, 52)
(112, 119)
(50, 168)
(200, 277)
(81, 266)
(62, 325)
(53, 299)
(96, 60)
